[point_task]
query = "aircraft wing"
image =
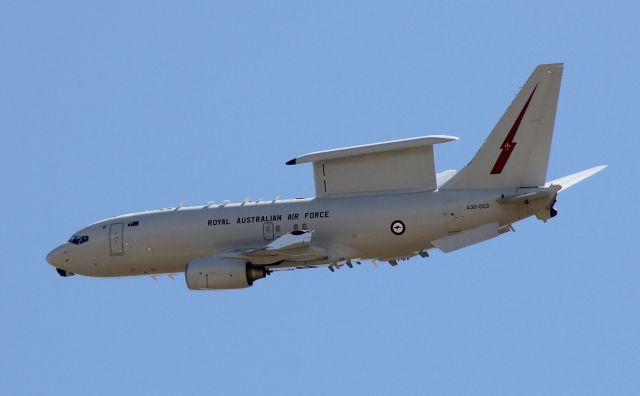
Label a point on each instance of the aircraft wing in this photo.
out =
(294, 246)
(389, 166)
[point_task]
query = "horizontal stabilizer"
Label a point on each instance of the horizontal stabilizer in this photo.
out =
(569, 181)
(443, 177)
(530, 196)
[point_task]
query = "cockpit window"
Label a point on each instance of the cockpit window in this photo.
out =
(79, 239)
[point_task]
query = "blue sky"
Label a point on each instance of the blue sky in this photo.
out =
(119, 107)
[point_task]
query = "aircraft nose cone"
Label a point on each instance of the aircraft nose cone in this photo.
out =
(55, 257)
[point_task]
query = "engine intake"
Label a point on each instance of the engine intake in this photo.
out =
(217, 273)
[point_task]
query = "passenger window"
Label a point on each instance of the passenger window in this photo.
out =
(295, 227)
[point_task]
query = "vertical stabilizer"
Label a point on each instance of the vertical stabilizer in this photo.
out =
(516, 153)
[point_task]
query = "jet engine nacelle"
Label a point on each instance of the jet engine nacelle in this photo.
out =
(214, 273)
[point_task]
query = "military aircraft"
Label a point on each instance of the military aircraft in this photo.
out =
(381, 202)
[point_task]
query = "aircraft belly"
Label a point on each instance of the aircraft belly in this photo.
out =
(366, 226)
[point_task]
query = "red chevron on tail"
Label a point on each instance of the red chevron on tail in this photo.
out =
(509, 145)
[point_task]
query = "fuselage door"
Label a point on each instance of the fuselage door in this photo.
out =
(267, 231)
(115, 239)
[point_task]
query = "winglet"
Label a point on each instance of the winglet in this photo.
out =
(576, 178)
(291, 162)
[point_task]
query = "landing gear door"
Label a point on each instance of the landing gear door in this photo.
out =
(115, 239)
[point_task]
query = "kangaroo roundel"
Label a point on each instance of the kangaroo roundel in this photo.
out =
(397, 227)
